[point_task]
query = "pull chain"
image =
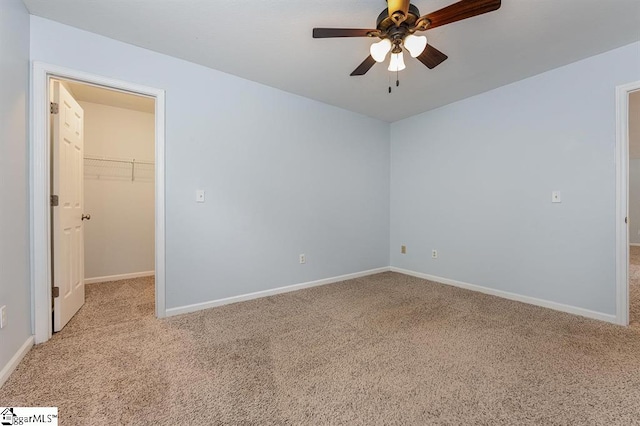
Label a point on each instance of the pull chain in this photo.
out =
(397, 80)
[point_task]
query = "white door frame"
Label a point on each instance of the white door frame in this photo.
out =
(40, 180)
(622, 200)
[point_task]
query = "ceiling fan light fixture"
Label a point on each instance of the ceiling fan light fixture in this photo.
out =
(380, 49)
(397, 62)
(415, 44)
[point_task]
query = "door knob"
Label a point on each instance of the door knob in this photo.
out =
(86, 217)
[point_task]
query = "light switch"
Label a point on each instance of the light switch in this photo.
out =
(200, 196)
(555, 197)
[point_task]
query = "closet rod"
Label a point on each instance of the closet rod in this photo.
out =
(113, 160)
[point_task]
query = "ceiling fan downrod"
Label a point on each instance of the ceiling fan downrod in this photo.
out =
(398, 11)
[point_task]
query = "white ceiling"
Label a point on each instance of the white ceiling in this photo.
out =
(270, 42)
(98, 95)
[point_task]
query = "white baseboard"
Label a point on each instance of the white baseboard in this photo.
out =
(118, 277)
(512, 296)
(241, 298)
(15, 360)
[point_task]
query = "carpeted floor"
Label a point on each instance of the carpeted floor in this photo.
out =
(385, 349)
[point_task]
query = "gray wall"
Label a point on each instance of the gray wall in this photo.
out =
(476, 185)
(283, 174)
(14, 185)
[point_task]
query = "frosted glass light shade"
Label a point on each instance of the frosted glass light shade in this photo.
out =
(415, 44)
(380, 49)
(397, 62)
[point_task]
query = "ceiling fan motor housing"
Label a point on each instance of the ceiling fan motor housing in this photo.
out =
(398, 10)
(384, 21)
(396, 33)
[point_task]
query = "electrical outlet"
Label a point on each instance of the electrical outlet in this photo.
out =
(434, 254)
(303, 259)
(3, 316)
(403, 249)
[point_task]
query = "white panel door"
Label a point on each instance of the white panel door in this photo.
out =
(67, 184)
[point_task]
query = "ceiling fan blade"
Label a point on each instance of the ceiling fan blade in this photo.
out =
(340, 32)
(364, 66)
(432, 57)
(461, 10)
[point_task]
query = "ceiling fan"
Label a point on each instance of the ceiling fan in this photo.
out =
(396, 27)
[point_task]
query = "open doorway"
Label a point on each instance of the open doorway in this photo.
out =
(42, 268)
(626, 277)
(102, 223)
(634, 208)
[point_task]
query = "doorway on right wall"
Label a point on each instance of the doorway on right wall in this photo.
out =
(634, 209)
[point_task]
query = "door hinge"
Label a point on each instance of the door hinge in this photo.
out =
(625, 220)
(54, 201)
(55, 292)
(53, 107)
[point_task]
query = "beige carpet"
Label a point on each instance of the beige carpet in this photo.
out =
(386, 349)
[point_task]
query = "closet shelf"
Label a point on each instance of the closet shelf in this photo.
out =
(118, 168)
